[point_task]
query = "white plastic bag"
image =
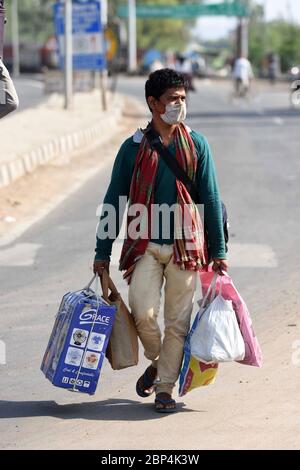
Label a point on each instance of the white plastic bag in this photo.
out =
(217, 337)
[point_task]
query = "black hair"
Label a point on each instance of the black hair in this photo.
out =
(161, 80)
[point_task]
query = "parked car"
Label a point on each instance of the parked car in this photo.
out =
(32, 57)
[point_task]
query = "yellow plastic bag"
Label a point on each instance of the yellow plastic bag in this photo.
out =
(195, 374)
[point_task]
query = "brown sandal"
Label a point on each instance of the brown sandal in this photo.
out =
(165, 405)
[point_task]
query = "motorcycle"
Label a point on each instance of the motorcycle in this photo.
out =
(295, 87)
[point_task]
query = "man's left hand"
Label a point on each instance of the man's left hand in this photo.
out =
(220, 265)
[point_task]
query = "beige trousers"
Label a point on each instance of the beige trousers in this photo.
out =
(144, 300)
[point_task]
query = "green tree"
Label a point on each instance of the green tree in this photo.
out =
(281, 37)
(257, 34)
(36, 24)
(35, 20)
(160, 33)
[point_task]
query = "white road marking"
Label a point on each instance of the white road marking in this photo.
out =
(31, 83)
(279, 121)
(292, 178)
(52, 204)
(21, 254)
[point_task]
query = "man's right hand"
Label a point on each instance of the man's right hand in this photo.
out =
(100, 266)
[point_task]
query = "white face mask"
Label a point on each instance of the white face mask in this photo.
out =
(175, 113)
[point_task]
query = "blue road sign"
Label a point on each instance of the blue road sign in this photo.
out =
(88, 41)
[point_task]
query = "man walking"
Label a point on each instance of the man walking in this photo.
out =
(166, 248)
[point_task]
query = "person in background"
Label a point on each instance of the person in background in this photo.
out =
(273, 68)
(242, 75)
(9, 100)
(184, 66)
(156, 65)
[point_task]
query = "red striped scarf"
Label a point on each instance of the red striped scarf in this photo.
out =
(189, 247)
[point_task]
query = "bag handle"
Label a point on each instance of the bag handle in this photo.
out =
(88, 286)
(211, 292)
(108, 284)
(221, 286)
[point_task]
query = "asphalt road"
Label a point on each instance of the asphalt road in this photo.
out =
(256, 148)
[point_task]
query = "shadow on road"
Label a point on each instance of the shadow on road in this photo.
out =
(107, 410)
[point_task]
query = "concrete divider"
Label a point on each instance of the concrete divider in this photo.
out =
(99, 128)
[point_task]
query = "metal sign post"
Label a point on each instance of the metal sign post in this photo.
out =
(132, 36)
(68, 55)
(244, 22)
(15, 38)
(103, 72)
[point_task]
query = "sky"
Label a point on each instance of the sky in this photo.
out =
(213, 28)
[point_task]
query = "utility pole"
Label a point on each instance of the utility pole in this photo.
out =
(103, 73)
(15, 38)
(132, 52)
(243, 33)
(243, 37)
(104, 12)
(68, 55)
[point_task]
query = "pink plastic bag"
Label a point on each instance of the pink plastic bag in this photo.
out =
(253, 356)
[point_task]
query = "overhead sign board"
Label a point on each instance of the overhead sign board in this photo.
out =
(188, 11)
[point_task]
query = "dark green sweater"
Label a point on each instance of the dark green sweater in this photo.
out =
(166, 193)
